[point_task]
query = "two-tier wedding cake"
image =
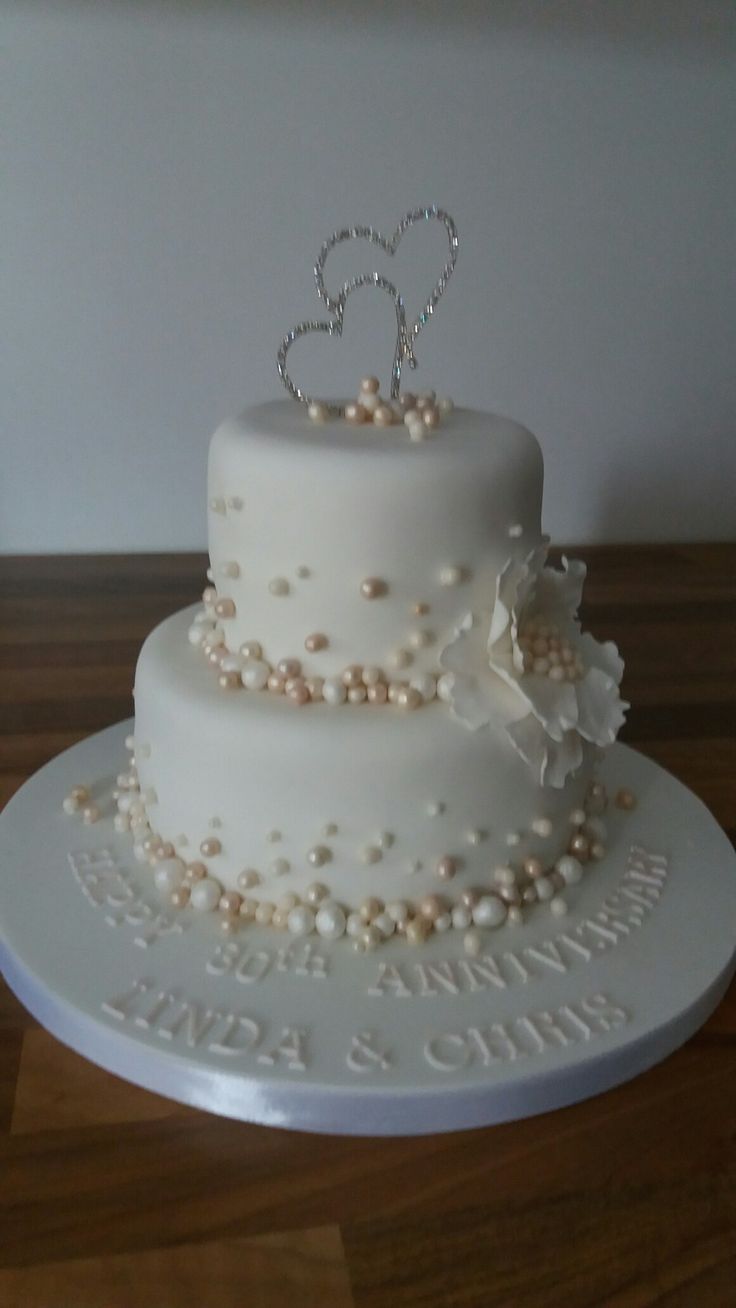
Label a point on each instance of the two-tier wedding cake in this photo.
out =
(384, 720)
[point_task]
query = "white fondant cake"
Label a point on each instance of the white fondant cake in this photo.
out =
(385, 717)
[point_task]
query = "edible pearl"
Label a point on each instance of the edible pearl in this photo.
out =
(461, 917)
(373, 588)
(417, 931)
(205, 895)
(355, 414)
(195, 872)
(229, 681)
(370, 938)
(333, 691)
(248, 879)
(180, 897)
(431, 907)
(279, 586)
(319, 855)
(289, 668)
(230, 902)
(625, 799)
(255, 674)
(407, 401)
(371, 854)
(425, 684)
(430, 416)
(451, 575)
(330, 921)
(90, 814)
(275, 683)
(580, 847)
(472, 943)
(210, 847)
(279, 867)
(357, 694)
(446, 867)
(490, 911)
(533, 867)
(370, 908)
(417, 430)
(169, 875)
(265, 912)
(400, 658)
(398, 911)
(445, 404)
(476, 836)
(71, 805)
(314, 643)
(316, 892)
(315, 686)
(383, 415)
(570, 869)
(377, 694)
(370, 385)
(354, 924)
(225, 608)
(544, 889)
(420, 639)
(435, 807)
(558, 906)
(297, 691)
(353, 676)
(318, 412)
(251, 649)
(300, 921)
(385, 924)
(409, 698)
(542, 826)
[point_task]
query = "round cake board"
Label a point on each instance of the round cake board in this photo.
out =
(307, 1034)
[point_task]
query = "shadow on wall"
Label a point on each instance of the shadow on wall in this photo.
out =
(695, 28)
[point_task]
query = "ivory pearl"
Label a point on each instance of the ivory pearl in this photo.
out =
(353, 676)
(279, 867)
(542, 826)
(409, 698)
(330, 921)
(398, 911)
(232, 663)
(425, 684)
(400, 658)
(248, 909)
(205, 895)
(318, 412)
(248, 879)
(444, 687)
(90, 814)
(597, 850)
(476, 836)
(372, 675)
(333, 691)
(357, 694)
(421, 639)
(80, 794)
(472, 943)
(370, 401)
(70, 804)
(265, 912)
(300, 921)
(355, 414)
(461, 917)
(385, 924)
(373, 588)
(169, 875)
(570, 869)
(370, 938)
(445, 404)
(354, 924)
(121, 822)
(544, 888)
(451, 575)
(279, 586)
(442, 923)
(558, 906)
(255, 674)
(430, 416)
(490, 911)
(417, 431)
(533, 867)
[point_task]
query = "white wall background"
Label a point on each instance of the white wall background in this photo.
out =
(171, 170)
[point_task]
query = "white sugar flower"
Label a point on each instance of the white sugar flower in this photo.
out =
(567, 682)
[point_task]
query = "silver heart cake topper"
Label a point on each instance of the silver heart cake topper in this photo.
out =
(405, 335)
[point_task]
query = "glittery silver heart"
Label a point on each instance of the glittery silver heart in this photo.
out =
(389, 245)
(334, 326)
(405, 336)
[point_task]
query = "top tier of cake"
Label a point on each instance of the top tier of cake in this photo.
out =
(339, 544)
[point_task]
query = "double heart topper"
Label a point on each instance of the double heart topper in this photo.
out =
(406, 334)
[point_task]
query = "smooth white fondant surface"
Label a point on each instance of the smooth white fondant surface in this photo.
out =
(352, 502)
(239, 765)
(311, 1036)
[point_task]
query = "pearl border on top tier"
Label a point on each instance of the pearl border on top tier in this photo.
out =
(315, 1038)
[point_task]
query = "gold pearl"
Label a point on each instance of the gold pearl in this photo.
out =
(353, 676)
(533, 867)
(210, 847)
(230, 902)
(370, 908)
(355, 414)
(314, 643)
(373, 588)
(251, 649)
(430, 416)
(225, 608)
(409, 698)
(195, 872)
(417, 931)
(431, 907)
(180, 897)
(383, 415)
(289, 668)
(229, 681)
(377, 694)
(625, 799)
(357, 694)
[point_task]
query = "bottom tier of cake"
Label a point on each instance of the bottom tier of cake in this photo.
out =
(357, 806)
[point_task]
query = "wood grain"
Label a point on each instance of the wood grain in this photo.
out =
(110, 1196)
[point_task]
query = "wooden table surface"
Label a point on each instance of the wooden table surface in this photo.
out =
(111, 1196)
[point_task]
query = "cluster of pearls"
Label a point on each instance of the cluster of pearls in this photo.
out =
(356, 684)
(511, 891)
(421, 414)
(79, 801)
(547, 653)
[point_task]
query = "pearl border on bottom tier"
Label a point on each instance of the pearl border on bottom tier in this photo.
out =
(397, 1042)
